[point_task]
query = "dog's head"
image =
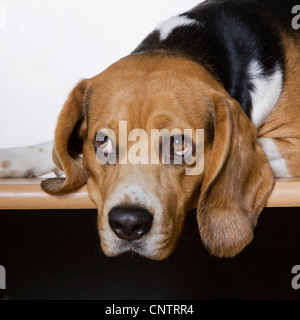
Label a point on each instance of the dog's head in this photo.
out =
(142, 207)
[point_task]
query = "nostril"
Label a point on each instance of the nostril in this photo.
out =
(130, 223)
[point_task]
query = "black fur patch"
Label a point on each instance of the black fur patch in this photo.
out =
(229, 35)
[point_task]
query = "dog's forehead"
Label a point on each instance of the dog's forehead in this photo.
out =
(148, 92)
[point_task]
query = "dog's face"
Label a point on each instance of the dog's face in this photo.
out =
(142, 206)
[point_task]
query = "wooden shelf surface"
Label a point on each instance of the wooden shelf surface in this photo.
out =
(26, 194)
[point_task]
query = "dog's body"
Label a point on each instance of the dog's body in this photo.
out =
(229, 67)
(250, 47)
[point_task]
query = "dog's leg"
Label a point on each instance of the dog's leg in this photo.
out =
(33, 161)
(283, 155)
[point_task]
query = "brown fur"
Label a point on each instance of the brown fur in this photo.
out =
(168, 92)
(283, 124)
(5, 164)
(63, 157)
(237, 183)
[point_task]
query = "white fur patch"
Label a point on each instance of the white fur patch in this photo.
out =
(277, 163)
(167, 27)
(266, 92)
(27, 161)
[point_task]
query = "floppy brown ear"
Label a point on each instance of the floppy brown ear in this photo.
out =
(237, 182)
(68, 144)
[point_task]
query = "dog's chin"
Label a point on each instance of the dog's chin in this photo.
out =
(140, 248)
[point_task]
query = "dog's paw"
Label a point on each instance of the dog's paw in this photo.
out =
(5, 166)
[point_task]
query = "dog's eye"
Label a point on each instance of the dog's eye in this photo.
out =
(180, 145)
(103, 144)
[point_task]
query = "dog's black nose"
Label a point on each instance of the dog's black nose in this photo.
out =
(130, 223)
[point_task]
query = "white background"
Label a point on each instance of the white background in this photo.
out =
(47, 46)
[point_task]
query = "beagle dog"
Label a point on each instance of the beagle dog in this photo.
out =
(230, 67)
